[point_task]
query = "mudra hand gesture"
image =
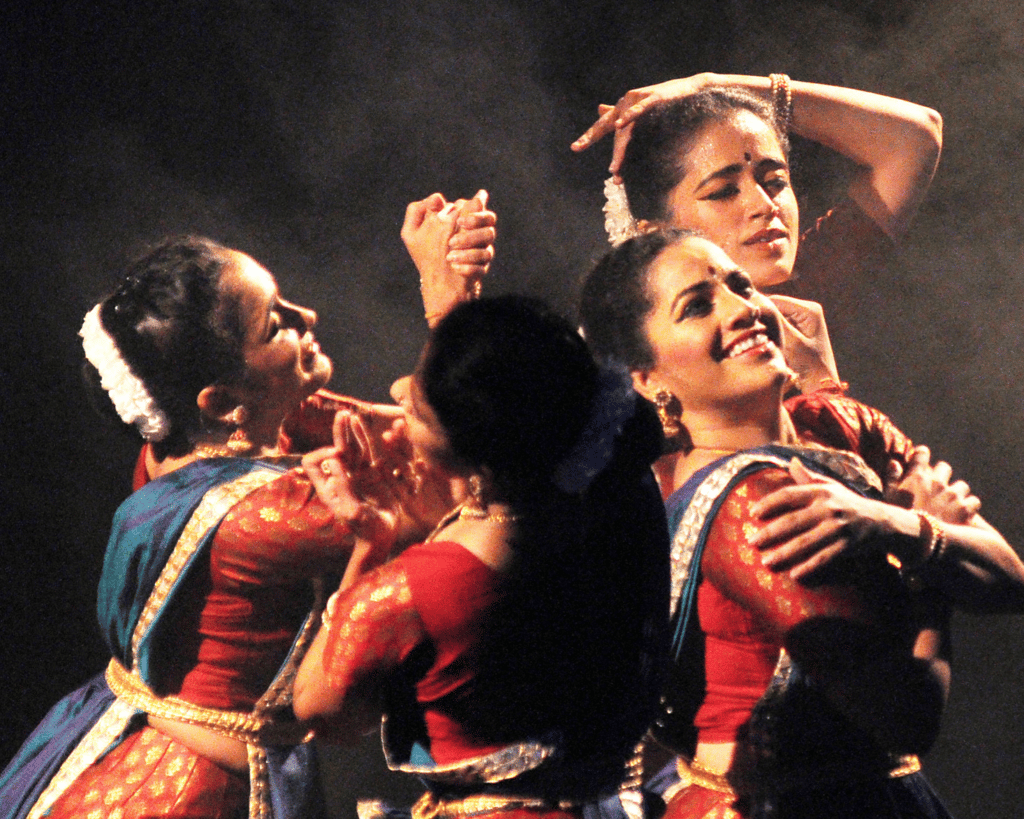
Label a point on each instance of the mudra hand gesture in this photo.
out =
(452, 245)
(619, 118)
(353, 481)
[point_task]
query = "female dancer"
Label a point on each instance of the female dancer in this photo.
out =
(805, 697)
(515, 650)
(212, 567)
(709, 153)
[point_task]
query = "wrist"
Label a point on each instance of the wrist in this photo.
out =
(929, 544)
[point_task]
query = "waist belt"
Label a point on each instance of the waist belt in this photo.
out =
(130, 688)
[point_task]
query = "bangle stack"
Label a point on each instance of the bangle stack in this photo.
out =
(934, 538)
(782, 100)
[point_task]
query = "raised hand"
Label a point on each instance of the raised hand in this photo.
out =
(452, 245)
(805, 342)
(619, 118)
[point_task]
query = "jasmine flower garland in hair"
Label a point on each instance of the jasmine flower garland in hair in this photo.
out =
(619, 223)
(128, 394)
(612, 407)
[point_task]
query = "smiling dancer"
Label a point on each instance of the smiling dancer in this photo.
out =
(807, 699)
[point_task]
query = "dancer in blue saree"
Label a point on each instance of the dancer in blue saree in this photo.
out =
(210, 589)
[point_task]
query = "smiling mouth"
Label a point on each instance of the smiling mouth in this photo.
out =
(758, 339)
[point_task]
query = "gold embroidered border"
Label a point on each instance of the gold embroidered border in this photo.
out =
(429, 806)
(104, 731)
(130, 688)
(214, 505)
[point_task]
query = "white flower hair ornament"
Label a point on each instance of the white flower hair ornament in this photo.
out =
(129, 395)
(619, 223)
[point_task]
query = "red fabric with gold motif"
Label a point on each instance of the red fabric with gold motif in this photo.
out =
(432, 596)
(150, 775)
(240, 619)
(744, 608)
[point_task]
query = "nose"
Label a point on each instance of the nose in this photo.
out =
(741, 313)
(759, 202)
(302, 318)
(400, 389)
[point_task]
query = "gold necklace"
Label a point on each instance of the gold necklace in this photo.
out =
(211, 451)
(715, 449)
(472, 513)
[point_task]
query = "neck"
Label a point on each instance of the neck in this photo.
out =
(714, 438)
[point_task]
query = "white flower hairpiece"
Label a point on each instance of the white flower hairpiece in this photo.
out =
(129, 395)
(619, 223)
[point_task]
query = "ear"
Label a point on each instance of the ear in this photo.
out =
(217, 403)
(646, 383)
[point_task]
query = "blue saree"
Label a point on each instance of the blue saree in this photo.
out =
(158, 536)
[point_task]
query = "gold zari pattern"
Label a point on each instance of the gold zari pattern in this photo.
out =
(134, 695)
(429, 806)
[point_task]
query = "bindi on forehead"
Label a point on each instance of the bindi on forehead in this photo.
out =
(746, 156)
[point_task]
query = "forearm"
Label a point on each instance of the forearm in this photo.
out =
(977, 569)
(895, 143)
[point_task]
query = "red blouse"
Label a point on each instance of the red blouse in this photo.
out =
(744, 609)
(434, 596)
(242, 609)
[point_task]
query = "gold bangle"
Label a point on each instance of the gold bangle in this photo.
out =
(782, 100)
(933, 536)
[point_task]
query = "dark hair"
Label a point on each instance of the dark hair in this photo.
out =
(574, 642)
(615, 301)
(653, 164)
(174, 330)
(511, 382)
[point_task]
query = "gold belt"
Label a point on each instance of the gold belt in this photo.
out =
(693, 773)
(429, 806)
(130, 688)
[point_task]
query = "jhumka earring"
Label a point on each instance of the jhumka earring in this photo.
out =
(670, 413)
(239, 443)
(474, 506)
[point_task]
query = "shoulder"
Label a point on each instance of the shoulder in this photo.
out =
(447, 582)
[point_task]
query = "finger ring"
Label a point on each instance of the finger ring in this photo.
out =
(325, 467)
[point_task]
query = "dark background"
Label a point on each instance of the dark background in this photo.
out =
(298, 131)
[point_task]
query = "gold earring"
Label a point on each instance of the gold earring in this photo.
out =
(670, 413)
(474, 507)
(238, 442)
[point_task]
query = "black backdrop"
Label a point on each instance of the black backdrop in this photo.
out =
(297, 131)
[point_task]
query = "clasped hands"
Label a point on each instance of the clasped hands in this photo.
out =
(452, 245)
(809, 524)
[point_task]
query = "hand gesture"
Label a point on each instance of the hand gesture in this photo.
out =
(452, 245)
(619, 118)
(352, 482)
(926, 487)
(812, 522)
(805, 342)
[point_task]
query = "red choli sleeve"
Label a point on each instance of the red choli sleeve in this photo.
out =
(280, 534)
(735, 568)
(832, 419)
(372, 627)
